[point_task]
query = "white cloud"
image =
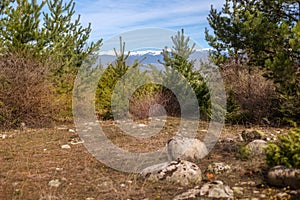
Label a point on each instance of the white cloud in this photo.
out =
(109, 18)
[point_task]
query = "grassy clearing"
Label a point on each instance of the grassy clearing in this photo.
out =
(30, 158)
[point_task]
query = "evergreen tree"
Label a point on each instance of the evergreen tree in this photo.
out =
(263, 34)
(113, 73)
(179, 60)
(52, 35)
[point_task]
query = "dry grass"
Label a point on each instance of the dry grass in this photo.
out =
(30, 158)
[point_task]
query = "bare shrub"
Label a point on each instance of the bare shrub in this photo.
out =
(157, 103)
(254, 94)
(25, 93)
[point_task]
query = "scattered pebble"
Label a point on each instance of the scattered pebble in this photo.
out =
(250, 183)
(122, 185)
(71, 130)
(58, 169)
(66, 146)
(263, 196)
(238, 190)
(3, 136)
(142, 125)
(75, 141)
(54, 183)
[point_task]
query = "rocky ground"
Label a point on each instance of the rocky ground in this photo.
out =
(54, 164)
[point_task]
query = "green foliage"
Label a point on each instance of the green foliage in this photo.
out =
(286, 152)
(232, 114)
(244, 152)
(178, 59)
(53, 35)
(263, 34)
(112, 75)
(48, 31)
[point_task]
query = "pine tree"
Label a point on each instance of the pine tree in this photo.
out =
(53, 35)
(261, 34)
(179, 60)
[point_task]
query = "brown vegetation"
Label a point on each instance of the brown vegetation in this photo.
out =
(26, 94)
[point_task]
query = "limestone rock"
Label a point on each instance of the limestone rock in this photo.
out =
(249, 135)
(179, 171)
(186, 148)
(54, 183)
(193, 193)
(218, 168)
(215, 190)
(281, 176)
(257, 147)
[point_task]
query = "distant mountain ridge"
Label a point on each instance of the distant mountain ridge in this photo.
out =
(152, 56)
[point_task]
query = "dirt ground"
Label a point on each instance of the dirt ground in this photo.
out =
(31, 158)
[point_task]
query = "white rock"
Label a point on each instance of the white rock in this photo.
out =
(179, 171)
(213, 190)
(122, 185)
(3, 136)
(282, 177)
(190, 194)
(257, 147)
(142, 125)
(75, 141)
(217, 168)
(71, 130)
(216, 189)
(54, 183)
(190, 149)
(238, 190)
(65, 146)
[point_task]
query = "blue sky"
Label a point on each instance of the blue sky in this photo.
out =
(109, 18)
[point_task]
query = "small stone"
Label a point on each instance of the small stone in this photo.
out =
(3, 136)
(75, 141)
(54, 183)
(71, 130)
(142, 125)
(238, 190)
(90, 198)
(250, 183)
(122, 185)
(65, 146)
(190, 194)
(58, 169)
(217, 168)
(282, 195)
(262, 196)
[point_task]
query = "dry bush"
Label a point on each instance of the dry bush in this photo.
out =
(254, 94)
(158, 103)
(25, 93)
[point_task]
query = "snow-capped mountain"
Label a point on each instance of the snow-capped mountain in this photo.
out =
(151, 56)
